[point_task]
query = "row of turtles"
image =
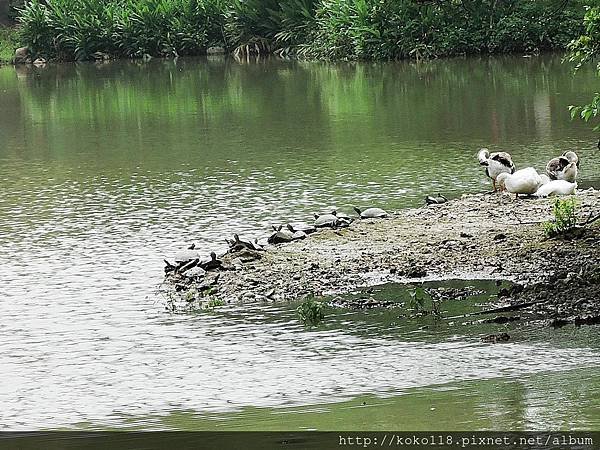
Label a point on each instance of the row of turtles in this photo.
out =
(193, 264)
(294, 231)
(330, 219)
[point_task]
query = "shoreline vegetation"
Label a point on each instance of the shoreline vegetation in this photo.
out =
(9, 42)
(79, 30)
(479, 236)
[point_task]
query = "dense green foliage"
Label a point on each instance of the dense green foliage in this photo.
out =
(401, 28)
(76, 29)
(332, 29)
(586, 48)
(8, 43)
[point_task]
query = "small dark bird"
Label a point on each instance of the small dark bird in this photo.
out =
(192, 247)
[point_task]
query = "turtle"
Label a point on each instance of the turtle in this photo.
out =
(371, 213)
(344, 219)
(258, 246)
(435, 200)
(301, 226)
(299, 235)
(186, 255)
(280, 235)
(237, 244)
(212, 263)
(325, 221)
(261, 242)
(169, 267)
(195, 272)
(185, 266)
(328, 210)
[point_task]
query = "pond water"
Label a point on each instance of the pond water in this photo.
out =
(106, 169)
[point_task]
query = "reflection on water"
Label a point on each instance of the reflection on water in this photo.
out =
(106, 169)
(566, 401)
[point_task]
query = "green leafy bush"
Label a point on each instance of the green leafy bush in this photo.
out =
(565, 217)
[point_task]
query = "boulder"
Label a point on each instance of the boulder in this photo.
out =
(22, 55)
(216, 50)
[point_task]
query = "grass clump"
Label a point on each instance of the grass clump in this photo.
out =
(9, 42)
(311, 312)
(565, 217)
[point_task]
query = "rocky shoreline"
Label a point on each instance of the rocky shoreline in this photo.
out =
(482, 236)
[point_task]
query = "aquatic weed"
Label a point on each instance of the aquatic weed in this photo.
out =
(417, 304)
(311, 311)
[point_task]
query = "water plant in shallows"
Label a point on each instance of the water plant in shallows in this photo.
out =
(310, 311)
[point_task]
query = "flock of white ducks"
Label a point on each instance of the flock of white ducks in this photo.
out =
(559, 179)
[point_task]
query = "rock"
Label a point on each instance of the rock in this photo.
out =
(362, 303)
(503, 293)
(101, 56)
(502, 319)
(558, 322)
(587, 320)
(215, 50)
(416, 272)
(22, 56)
(495, 338)
(500, 237)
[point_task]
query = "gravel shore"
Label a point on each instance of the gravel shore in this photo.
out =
(484, 236)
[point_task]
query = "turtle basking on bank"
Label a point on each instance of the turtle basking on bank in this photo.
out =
(299, 235)
(294, 227)
(344, 220)
(281, 235)
(186, 255)
(237, 245)
(325, 221)
(371, 213)
(435, 200)
(212, 263)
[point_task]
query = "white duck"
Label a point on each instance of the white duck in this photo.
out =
(556, 187)
(525, 181)
(564, 167)
(495, 163)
